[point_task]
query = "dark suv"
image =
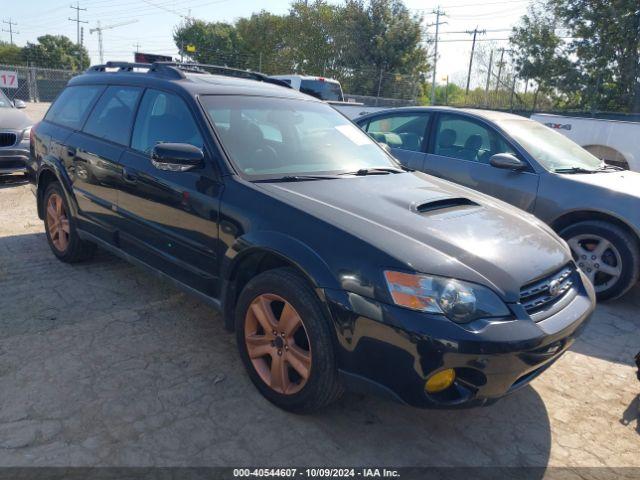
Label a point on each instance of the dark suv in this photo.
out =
(334, 264)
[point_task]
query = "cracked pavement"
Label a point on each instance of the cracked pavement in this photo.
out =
(102, 364)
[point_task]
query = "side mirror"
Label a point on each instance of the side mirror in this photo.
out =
(176, 157)
(19, 104)
(507, 161)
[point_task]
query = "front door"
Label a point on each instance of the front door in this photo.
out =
(170, 219)
(460, 152)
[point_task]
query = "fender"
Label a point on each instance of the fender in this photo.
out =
(290, 249)
(285, 246)
(54, 166)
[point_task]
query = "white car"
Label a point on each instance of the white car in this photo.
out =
(326, 89)
(614, 141)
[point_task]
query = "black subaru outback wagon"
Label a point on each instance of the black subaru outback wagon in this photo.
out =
(333, 264)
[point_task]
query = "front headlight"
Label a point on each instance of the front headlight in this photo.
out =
(460, 301)
(26, 133)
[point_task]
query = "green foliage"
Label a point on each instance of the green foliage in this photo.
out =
(56, 51)
(10, 54)
(597, 67)
(373, 47)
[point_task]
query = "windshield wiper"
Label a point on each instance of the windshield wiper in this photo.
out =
(574, 170)
(376, 171)
(297, 178)
(605, 167)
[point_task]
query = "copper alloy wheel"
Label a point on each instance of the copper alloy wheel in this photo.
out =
(277, 344)
(57, 222)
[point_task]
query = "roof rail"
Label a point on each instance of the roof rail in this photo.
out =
(176, 70)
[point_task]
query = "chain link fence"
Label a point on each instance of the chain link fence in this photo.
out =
(36, 84)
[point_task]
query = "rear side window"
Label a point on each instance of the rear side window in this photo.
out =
(322, 89)
(400, 130)
(112, 116)
(164, 117)
(72, 106)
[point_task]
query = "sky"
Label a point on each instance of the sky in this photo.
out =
(154, 20)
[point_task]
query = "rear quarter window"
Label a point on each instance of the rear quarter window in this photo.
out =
(71, 107)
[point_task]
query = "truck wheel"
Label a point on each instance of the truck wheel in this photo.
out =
(285, 342)
(60, 228)
(607, 254)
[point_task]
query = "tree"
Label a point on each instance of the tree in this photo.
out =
(56, 51)
(382, 43)
(10, 54)
(606, 48)
(372, 48)
(215, 42)
(597, 65)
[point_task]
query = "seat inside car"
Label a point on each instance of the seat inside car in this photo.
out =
(447, 143)
(471, 147)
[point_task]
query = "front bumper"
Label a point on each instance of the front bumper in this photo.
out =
(392, 350)
(14, 159)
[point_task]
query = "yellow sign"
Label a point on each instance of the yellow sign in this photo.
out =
(191, 48)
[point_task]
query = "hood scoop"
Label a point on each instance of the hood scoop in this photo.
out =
(447, 205)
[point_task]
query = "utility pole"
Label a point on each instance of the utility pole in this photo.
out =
(137, 46)
(473, 32)
(486, 88)
(500, 68)
(77, 20)
(99, 29)
(10, 31)
(438, 12)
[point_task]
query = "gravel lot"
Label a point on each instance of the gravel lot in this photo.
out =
(103, 364)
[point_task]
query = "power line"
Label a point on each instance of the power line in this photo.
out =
(10, 31)
(77, 20)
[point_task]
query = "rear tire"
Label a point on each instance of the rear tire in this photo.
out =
(286, 294)
(59, 225)
(607, 254)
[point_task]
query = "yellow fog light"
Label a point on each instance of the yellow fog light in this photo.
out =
(440, 381)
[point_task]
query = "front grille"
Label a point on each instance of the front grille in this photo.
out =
(8, 139)
(544, 293)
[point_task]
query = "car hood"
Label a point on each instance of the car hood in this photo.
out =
(433, 226)
(13, 119)
(625, 182)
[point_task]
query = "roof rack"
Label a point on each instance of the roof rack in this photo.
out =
(176, 70)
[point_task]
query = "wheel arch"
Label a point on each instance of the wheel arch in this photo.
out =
(52, 171)
(266, 251)
(573, 217)
(612, 154)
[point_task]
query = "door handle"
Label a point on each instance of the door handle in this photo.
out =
(129, 176)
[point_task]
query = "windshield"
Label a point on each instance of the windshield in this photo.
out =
(322, 89)
(4, 101)
(554, 151)
(274, 137)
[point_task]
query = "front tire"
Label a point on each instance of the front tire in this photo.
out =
(607, 254)
(62, 236)
(285, 342)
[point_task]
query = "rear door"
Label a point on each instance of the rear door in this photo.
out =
(460, 152)
(404, 133)
(169, 218)
(96, 154)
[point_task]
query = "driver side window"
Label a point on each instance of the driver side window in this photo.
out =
(465, 139)
(164, 117)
